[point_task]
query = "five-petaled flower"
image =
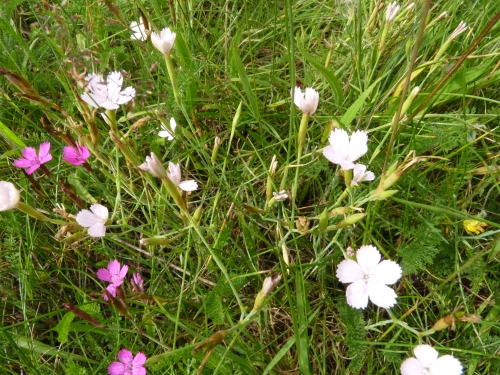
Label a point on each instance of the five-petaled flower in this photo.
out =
(308, 101)
(76, 156)
(163, 42)
(9, 196)
(360, 174)
(31, 160)
(174, 174)
(428, 363)
(129, 364)
(109, 94)
(154, 166)
(166, 133)
(368, 277)
(113, 275)
(345, 150)
(94, 220)
(138, 30)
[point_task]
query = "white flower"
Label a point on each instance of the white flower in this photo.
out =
(163, 42)
(154, 166)
(281, 196)
(109, 94)
(138, 31)
(392, 11)
(165, 133)
(308, 101)
(94, 220)
(360, 174)
(369, 278)
(344, 150)
(9, 196)
(428, 363)
(175, 177)
(462, 26)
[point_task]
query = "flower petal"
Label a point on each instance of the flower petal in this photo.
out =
(114, 82)
(116, 368)
(165, 134)
(339, 141)
(348, 271)
(22, 163)
(298, 96)
(357, 294)
(412, 366)
(123, 272)
(84, 151)
(32, 169)
(189, 185)
(426, 354)
(139, 371)
(111, 288)
(97, 230)
(125, 356)
(86, 218)
(386, 272)
(114, 267)
(91, 99)
(446, 364)
(358, 145)
(140, 359)
(174, 173)
(44, 151)
(70, 154)
(103, 274)
(381, 295)
(100, 211)
(173, 124)
(29, 153)
(368, 257)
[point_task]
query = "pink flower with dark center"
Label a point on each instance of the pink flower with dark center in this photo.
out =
(31, 160)
(129, 364)
(113, 275)
(76, 156)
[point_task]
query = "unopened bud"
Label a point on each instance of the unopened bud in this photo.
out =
(267, 288)
(215, 150)
(350, 220)
(155, 241)
(408, 101)
(323, 219)
(197, 214)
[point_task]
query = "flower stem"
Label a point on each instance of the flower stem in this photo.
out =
(300, 145)
(171, 73)
(27, 209)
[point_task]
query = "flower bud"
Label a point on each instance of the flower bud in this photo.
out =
(392, 11)
(350, 220)
(267, 288)
(154, 166)
(215, 150)
(323, 219)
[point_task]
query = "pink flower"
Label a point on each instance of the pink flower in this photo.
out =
(129, 364)
(76, 156)
(137, 282)
(113, 275)
(31, 160)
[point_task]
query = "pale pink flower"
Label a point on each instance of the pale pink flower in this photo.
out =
(428, 363)
(107, 94)
(94, 220)
(368, 278)
(9, 196)
(345, 150)
(163, 42)
(360, 174)
(129, 364)
(308, 101)
(174, 174)
(76, 156)
(31, 160)
(166, 133)
(114, 275)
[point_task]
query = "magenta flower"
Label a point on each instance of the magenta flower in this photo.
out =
(76, 156)
(31, 160)
(113, 275)
(129, 364)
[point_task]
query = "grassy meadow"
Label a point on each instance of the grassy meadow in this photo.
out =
(427, 98)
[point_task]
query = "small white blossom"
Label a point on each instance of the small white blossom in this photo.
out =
(166, 133)
(174, 174)
(94, 220)
(138, 31)
(392, 11)
(281, 196)
(9, 196)
(109, 94)
(428, 363)
(360, 174)
(368, 278)
(345, 150)
(163, 42)
(154, 166)
(308, 101)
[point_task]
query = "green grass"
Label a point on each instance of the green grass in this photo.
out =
(206, 276)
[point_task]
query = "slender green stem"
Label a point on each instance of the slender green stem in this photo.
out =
(171, 73)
